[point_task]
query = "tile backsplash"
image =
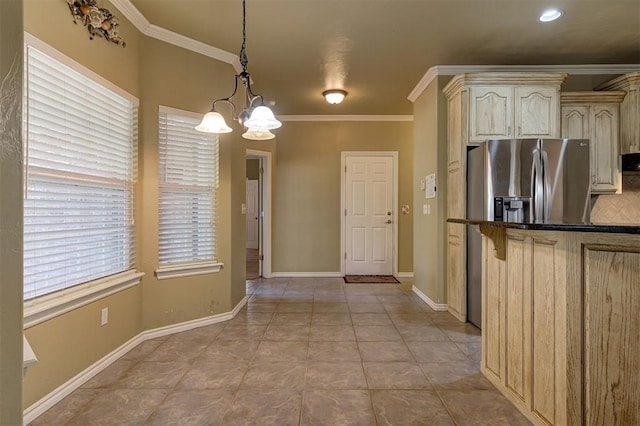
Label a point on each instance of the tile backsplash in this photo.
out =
(618, 208)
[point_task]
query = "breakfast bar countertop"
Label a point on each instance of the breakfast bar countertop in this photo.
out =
(565, 227)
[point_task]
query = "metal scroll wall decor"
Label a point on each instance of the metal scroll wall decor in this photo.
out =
(98, 20)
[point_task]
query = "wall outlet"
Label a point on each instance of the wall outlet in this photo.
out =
(104, 316)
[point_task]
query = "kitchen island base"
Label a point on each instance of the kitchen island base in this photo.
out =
(561, 324)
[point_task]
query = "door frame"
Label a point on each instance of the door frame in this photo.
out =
(258, 207)
(343, 203)
(264, 221)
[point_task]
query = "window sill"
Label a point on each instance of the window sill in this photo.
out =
(187, 270)
(50, 306)
(28, 357)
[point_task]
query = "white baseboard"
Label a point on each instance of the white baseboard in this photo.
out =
(404, 276)
(196, 323)
(58, 394)
(306, 275)
(440, 307)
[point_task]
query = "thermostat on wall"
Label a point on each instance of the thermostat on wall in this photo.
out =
(430, 186)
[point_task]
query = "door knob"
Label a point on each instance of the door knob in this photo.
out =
(389, 221)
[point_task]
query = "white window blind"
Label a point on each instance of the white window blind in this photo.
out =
(188, 172)
(80, 153)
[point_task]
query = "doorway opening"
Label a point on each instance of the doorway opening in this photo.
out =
(258, 214)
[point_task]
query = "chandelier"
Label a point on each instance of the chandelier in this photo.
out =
(255, 115)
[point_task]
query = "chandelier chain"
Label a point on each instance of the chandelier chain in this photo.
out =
(244, 61)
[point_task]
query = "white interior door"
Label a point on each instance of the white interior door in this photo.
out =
(369, 215)
(253, 213)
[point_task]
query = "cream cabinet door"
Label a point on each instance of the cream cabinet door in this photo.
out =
(457, 270)
(490, 113)
(575, 122)
(605, 166)
(537, 112)
(597, 122)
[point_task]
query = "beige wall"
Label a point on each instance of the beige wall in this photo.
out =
(430, 156)
(51, 22)
(69, 343)
(178, 78)
(10, 212)
(307, 190)
(158, 74)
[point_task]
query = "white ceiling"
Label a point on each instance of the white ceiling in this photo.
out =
(378, 50)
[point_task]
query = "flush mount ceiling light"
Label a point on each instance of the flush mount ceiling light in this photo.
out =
(255, 115)
(550, 15)
(334, 96)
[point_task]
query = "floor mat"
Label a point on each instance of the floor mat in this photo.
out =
(370, 279)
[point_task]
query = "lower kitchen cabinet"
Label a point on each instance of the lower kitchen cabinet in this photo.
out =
(561, 324)
(457, 270)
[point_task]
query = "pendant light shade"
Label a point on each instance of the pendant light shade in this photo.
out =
(258, 135)
(213, 122)
(259, 116)
(262, 119)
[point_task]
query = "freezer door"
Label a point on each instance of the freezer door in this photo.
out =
(566, 180)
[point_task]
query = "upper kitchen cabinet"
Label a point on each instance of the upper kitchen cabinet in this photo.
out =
(505, 112)
(629, 111)
(596, 116)
(509, 105)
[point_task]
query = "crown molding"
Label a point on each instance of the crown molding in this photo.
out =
(150, 30)
(193, 45)
(605, 96)
(132, 14)
(345, 117)
(589, 69)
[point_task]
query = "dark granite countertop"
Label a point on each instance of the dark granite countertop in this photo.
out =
(565, 227)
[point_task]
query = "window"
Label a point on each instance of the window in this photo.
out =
(188, 173)
(80, 154)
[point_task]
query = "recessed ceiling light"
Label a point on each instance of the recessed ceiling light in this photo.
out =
(550, 15)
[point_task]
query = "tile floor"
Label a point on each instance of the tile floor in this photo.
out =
(302, 352)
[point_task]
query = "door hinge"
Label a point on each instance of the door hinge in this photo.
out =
(345, 212)
(345, 255)
(261, 170)
(345, 169)
(262, 257)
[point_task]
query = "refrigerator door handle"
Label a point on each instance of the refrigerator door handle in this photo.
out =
(548, 196)
(537, 189)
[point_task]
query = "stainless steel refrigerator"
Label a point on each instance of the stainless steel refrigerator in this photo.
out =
(526, 181)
